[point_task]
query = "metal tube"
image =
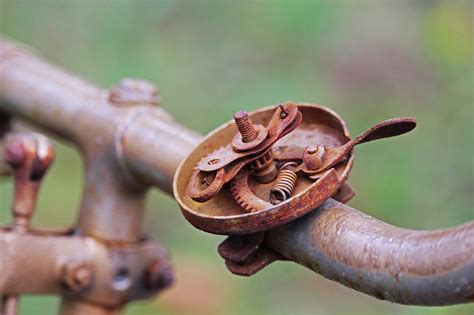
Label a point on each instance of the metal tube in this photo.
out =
(389, 263)
(146, 146)
(120, 144)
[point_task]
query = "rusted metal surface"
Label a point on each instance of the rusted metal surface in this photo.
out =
(103, 125)
(390, 263)
(245, 255)
(311, 137)
(385, 129)
(120, 144)
(244, 206)
(344, 194)
(29, 155)
(81, 267)
(131, 146)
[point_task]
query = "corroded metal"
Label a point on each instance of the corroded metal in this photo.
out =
(384, 261)
(297, 133)
(252, 211)
(129, 148)
(53, 263)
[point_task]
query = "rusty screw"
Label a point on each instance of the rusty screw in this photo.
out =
(77, 276)
(159, 276)
(265, 169)
(313, 156)
(245, 126)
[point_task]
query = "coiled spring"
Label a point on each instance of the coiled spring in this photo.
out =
(284, 185)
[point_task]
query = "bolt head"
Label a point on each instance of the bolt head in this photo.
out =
(77, 276)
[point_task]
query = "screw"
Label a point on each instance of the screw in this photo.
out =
(159, 276)
(265, 170)
(245, 126)
(312, 149)
(77, 276)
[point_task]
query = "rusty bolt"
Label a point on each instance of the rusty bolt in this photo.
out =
(245, 126)
(133, 92)
(265, 169)
(77, 276)
(159, 276)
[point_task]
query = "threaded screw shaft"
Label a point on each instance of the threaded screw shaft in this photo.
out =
(245, 126)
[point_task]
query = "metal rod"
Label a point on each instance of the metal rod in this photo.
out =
(144, 146)
(73, 307)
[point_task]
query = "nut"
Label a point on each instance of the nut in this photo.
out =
(245, 126)
(313, 156)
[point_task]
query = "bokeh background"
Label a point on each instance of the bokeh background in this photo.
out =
(368, 60)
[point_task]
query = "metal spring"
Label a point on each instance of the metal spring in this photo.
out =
(284, 185)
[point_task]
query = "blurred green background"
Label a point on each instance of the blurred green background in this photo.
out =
(368, 60)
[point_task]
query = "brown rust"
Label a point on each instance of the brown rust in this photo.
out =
(400, 265)
(389, 248)
(260, 258)
(128, 148)
(385, 129)
(237, 248)
(221, 214)
(245, 126)
(54, 264)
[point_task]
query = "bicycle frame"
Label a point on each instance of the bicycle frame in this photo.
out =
(129, 148)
